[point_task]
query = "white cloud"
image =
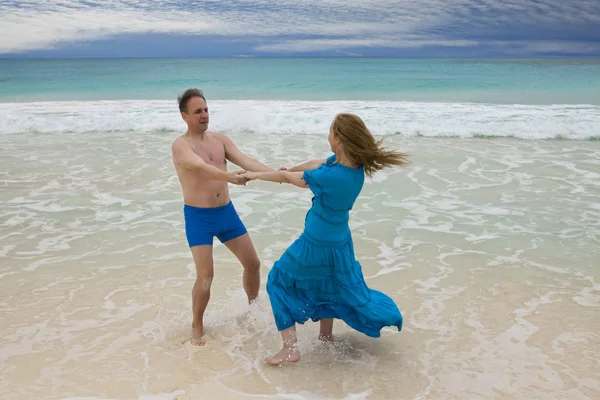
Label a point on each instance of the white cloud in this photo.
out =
(307, 45)
(45, 29)
(545, 46)
(46, 26)
(313, 24)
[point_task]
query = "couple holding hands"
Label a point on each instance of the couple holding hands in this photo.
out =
(318, 276)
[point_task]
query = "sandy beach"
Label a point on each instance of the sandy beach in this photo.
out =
(490, 247)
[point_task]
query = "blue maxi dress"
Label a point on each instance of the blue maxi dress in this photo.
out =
(318, 276)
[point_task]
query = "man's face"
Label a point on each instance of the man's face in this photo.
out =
(196, 115)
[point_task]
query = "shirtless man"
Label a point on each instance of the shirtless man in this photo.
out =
(200, 158)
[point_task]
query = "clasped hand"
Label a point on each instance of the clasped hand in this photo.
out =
(241, 177)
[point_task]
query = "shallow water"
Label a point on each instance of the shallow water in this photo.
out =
(490, 247)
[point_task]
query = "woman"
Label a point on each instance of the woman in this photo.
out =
(318, 276)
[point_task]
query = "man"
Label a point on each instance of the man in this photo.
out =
(200, 158)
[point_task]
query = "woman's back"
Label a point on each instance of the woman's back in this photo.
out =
(335, 188)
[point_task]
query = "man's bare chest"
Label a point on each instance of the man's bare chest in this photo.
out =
(212, 153)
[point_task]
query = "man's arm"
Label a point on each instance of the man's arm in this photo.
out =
(233, 154)
(185, 157)
(307, 166)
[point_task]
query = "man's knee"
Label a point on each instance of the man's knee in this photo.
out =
(204, 281)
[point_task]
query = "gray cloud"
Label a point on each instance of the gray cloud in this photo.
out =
(309, 25)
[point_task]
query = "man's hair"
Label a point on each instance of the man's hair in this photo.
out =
(186, 96)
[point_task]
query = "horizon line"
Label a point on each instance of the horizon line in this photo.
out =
(4, 57)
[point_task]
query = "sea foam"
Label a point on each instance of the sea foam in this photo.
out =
(574, 122)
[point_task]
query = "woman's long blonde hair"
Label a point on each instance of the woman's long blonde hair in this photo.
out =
(360, 145)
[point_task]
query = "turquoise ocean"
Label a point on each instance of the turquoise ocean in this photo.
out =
(525, 98)
(488, 241)
(496, 81)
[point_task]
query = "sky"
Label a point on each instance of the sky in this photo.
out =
(284, 28)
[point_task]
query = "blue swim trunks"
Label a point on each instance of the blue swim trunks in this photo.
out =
(203, 224)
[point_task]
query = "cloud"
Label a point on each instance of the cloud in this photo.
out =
(310, 45)
(299, 26)
(544, 47)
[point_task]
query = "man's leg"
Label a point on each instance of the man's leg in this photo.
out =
(203, 258)
(245, 252)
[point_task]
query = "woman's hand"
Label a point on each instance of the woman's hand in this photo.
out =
(250, 175)
(237, 177)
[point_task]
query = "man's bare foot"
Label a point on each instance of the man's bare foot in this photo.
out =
(197, 336)
(285, 355)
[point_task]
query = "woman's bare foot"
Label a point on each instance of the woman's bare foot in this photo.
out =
(285, 355)
(197, 336)
(326, 330)
(326, 338)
